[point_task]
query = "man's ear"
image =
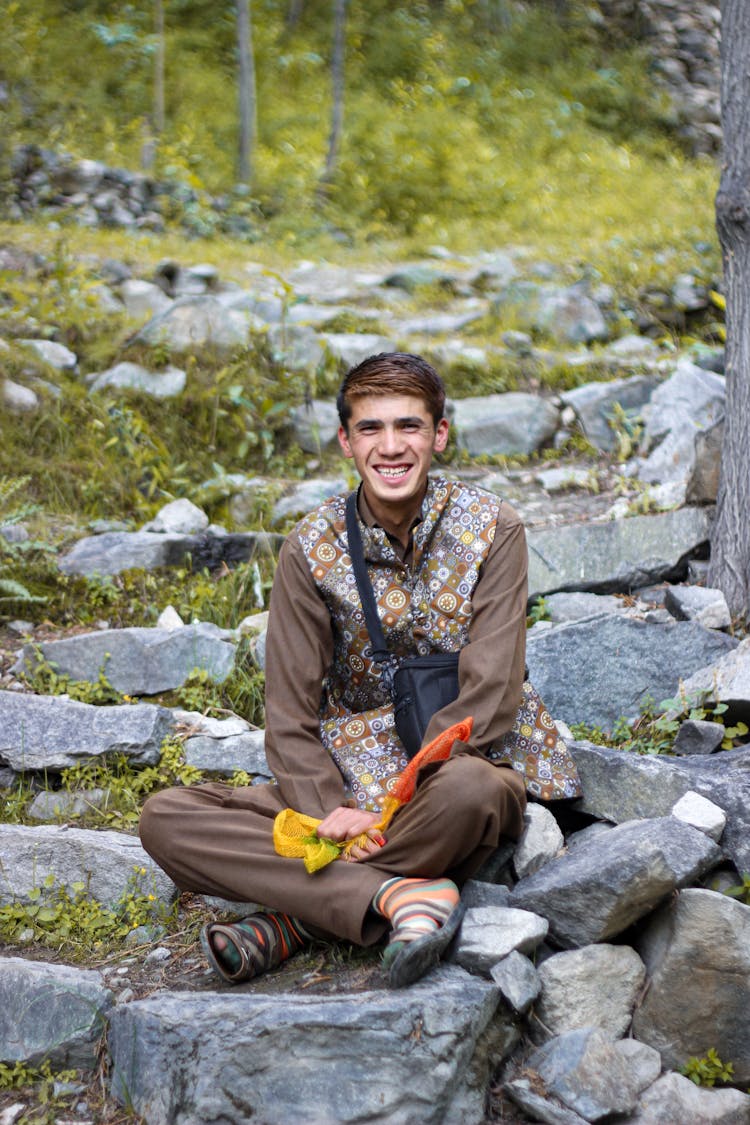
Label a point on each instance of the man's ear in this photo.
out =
(344, 442)
(441, 435)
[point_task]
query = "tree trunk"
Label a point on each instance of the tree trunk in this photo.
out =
(337, 75)
(248, 108)
(730, 538)
(159, 68)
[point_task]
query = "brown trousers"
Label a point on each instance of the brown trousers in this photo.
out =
(217, 840)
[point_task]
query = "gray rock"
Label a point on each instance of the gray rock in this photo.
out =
(138, 661)
(675, 1098)
(109, 864)
(690, 401)
(53, 354)
(350, 348)
(571, 315)
(555, 480)
(701, 814)
(198, 322)
(17, 399)
(301, 1057)
(727, 680)
(53, 1012)
(596, 986)
(575, 606)
(522, 1091)
(166, 383)
(40, 732)
(143, 299)
(697, 603)
(598, 669)
(594, 405)
(540, 842)
(698, 736)
(295, 346)
(703, 481)
(179, 517)
(702, 935)
(509, 423)
(55, 805)
(306, 496)
(585, 1069)
(619, 555)
(315, 425)
(476, 893)
(116, 551)
(619, 786)
(517, 980)
(489, 933)
(610, 881)
(227, 755)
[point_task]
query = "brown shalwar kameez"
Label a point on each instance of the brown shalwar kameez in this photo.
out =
(217, 840)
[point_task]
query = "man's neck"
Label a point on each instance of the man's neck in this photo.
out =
(397, 522)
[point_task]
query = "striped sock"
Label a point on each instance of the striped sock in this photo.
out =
(258, 943)
(415, 907)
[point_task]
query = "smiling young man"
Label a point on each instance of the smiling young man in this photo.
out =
(448, 567)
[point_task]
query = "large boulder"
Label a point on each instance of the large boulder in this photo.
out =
(198, 322)
(691, 401)
(609, 881)
(697, 952)
(51, 1012)
(595, 403)
(418, 1056)
(508, 423)
(598, 669)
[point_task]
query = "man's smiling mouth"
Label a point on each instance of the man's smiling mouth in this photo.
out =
(393, 472)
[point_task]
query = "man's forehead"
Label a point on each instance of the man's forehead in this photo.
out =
(389, 408)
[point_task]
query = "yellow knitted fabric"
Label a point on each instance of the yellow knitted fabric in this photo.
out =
(295, 835)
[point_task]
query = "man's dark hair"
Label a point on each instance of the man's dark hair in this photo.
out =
(392, 373)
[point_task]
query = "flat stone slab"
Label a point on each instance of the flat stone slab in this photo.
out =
(47, 732)
(115, 551)
(419, 1055)
(109, 864)
(138, 661)
(615, 556)
(50, 1011)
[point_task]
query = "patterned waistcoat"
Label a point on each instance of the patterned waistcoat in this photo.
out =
(423, 608)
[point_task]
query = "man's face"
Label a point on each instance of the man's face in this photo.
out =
(391, 439)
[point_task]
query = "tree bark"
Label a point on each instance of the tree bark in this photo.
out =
(729, 569)
(337, 75)
(159, 68)
(248, 105)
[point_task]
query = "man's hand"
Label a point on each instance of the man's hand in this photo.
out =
(344, 823)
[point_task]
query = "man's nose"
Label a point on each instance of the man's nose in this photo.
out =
(391, 440)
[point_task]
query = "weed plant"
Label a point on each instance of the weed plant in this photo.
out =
(655, 730)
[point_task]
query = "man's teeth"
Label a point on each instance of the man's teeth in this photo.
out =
(400, 472)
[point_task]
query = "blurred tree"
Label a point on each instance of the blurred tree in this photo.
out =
(337, 78)
(248, 102)
(730, 539)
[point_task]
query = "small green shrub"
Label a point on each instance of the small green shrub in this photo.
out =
(709, 1070)
(72, 922)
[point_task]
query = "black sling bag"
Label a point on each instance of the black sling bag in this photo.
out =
(419, 685)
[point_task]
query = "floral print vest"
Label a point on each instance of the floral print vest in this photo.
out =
(424, 608)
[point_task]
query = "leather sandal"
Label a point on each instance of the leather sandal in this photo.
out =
(407, 961)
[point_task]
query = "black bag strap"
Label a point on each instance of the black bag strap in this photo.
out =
(380, 651)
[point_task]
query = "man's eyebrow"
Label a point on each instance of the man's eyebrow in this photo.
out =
(407, 420)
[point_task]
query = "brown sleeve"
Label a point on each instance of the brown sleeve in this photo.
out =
(491, 666)
(299, 649)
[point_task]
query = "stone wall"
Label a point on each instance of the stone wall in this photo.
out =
(683, 37)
